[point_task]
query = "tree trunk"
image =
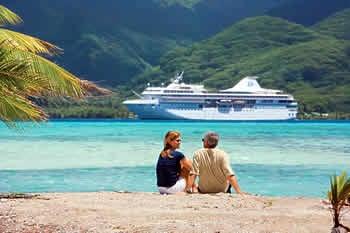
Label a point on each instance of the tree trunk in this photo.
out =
(336, 219)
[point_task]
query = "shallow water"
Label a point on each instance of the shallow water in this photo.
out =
(270, 158)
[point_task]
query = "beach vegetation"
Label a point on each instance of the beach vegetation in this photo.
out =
(92, 107)
(298, 11)
(337, 25)
(338, 196)
(26, 73)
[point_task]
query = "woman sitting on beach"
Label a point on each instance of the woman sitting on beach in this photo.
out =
(172, 166)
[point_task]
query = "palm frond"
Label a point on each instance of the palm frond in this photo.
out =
(333, 193)
(92, 89)
(344, 191)
(10, 39)
(58, 80)
(338, 194)
(61, 81)
(14, 107)
(26, 84)
(8, 17)
(24, 74)
(340, 188)
(15, 77)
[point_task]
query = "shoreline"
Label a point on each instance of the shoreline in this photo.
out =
(117, 212)
(30, 195)
(199, 121)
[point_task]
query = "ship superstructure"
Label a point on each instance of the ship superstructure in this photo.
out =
(245, 101)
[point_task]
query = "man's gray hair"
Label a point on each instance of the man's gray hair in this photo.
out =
(212, 139)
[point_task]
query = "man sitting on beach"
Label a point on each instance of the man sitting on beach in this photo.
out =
(213, 168)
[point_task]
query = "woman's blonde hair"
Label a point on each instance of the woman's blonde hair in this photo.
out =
(169, 136)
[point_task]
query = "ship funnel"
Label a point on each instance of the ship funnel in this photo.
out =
(178, 77)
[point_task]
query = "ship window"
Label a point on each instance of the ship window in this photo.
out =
(267, 101)
(285, 101)
(177, 91)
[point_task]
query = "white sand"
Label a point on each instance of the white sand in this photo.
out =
(149, 212)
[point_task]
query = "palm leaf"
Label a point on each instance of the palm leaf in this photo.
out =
(15, 77)
(8, 17)
(15, 86)
(10, 39)
(24, 74)
(343, 184)
(14, 108)
(344, 192)
(58, 80)
(19, 82)
(340, 188)
(92, 89)
(333, 193)
(338, 194)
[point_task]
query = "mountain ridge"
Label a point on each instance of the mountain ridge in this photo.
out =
(82, 28)
(285, 55)
(128, 43)
(308, 12)
(337, 25)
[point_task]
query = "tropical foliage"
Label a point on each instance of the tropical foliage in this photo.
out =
(93, 107)
(132, 46)
(25, 74)
(338, 196)
(132, 35)
(337, 25)
(298, 11)
(312, 66)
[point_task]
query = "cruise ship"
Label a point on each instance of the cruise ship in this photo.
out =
(245, 101)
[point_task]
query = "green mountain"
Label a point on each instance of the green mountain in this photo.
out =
(127, 43)
(313, 67)
(308, 12)
(114, 58)
(111, 41)
(337, 25)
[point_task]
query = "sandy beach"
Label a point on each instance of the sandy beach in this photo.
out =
(106, 212)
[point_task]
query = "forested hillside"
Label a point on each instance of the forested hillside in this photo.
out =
(111, 41)
(128, 43)
(308, 12)
(337, 25)
(315, 67)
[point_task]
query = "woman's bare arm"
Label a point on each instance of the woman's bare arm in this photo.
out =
(186, 164)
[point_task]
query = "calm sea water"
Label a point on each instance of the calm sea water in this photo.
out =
(277, 159)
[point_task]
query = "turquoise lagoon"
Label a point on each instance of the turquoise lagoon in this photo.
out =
(270, 158)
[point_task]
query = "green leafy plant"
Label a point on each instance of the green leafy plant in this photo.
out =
(338, 196)
(26, 73)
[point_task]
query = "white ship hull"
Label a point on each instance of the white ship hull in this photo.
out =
(144, 111)
(246, 101)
